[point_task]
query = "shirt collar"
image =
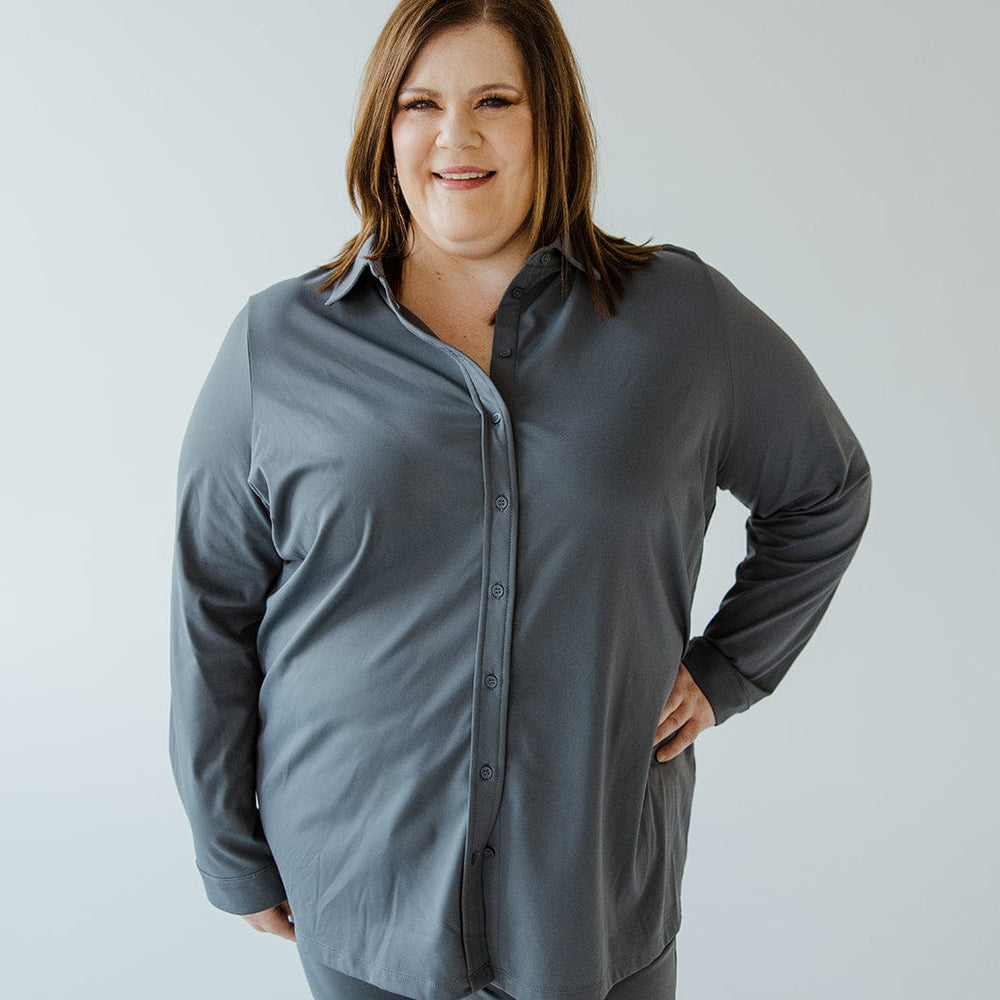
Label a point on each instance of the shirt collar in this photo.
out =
(563, 245)
(360, 265)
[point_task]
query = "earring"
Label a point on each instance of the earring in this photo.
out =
(398, 204)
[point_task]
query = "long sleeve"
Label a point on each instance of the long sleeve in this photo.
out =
(224, 566)
(790, 457)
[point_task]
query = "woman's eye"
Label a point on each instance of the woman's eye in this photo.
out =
(425, 104)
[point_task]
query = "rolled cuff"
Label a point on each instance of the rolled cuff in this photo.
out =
(721, 683)
(246, 893)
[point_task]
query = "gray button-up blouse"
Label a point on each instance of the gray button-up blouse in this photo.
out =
(424, 619)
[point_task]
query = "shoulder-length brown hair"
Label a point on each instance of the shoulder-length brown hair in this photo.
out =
(565, 148)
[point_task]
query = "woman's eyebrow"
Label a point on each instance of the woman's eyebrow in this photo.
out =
(428, 92)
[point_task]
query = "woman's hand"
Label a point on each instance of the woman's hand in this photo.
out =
(277, 920)
(686, 713)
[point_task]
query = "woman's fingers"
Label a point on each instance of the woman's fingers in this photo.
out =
(684, 715)
(288, 928)
(673, 702)
(671, 722)
(677, 726)
(277, 920)
(679, 742)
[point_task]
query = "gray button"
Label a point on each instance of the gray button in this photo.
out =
(486, 772)
(506, 352)
(491, 681)
(488, 851)
(496, 417)
(546, 257)
(497, 590)
(502, 503)
(517, 292)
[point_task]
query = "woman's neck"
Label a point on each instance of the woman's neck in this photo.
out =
(481, 277)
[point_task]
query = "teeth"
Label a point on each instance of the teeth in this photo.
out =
(464, 177)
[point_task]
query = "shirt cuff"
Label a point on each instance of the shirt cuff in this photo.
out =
(246, 893)
(720, 682)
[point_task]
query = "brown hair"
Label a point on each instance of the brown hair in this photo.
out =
(565, 148)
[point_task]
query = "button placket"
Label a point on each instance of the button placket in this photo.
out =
(489, 708)
(501, 526)
(490, 698)
(507, 322)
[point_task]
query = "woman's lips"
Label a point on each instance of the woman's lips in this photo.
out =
(464, 178)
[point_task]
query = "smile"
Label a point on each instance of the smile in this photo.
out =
(465, 176)
(463, 179)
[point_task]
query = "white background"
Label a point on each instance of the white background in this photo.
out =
(838, 162)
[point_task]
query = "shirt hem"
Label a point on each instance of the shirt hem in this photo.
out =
(621, 969)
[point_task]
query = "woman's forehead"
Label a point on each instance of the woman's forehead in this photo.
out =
(468, 56)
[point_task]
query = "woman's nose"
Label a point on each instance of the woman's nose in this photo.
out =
(458, 131)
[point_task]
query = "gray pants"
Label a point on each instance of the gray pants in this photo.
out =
(657, 981)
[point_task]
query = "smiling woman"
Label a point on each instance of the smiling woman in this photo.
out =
(465, 162)
(534, 63)
(454, 134)
(441, 505)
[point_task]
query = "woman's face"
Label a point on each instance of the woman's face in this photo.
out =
(463, 109)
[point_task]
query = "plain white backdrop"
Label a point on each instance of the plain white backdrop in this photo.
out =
(838, 161)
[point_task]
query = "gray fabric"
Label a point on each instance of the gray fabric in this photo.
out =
(427, 618)
(657, 981)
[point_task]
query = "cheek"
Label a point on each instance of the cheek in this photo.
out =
(405, 147)
(398, 141)
(523, 141)
(527, 172)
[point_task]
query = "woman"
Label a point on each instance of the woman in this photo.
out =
(441, 507)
